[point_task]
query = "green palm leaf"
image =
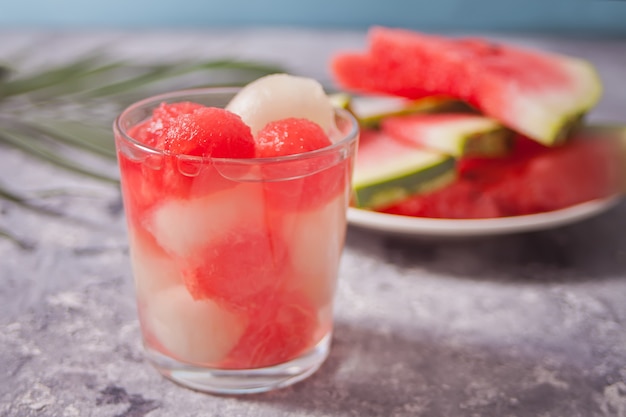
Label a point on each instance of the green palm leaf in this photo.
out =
(95, 139)
(30, 144)
(161, 72)
(57, 114)
(47, 78)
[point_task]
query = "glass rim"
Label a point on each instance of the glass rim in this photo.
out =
(345, 140)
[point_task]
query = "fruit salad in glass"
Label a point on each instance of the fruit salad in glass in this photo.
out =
(236, 208)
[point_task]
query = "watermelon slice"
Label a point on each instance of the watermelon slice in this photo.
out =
(456, 134)
(533, 179)
(388, 171)
(539, 94)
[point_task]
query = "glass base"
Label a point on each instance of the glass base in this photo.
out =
(241, 381)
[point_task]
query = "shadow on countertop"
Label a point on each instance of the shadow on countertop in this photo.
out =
(592, 250)
(386, 374)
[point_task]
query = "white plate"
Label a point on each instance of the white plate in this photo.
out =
(453, 228)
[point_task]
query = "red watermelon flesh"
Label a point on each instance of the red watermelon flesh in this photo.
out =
(209, 132)
(238, 269)
(533, 179)
(299, 184)
(538, 94)
(580, 171)
(146, 181)
(192, 129)
(290, 136)
(152, 131)
(180, 129)
(282, 329)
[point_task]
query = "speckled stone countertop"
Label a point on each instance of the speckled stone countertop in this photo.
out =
(513, 326)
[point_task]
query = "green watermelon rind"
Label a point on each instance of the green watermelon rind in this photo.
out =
(557, 131)
(375, 192)
(340, 100)
(473, 135)
(492, 143)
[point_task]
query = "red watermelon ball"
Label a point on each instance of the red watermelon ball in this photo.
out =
(238, 269)
(209, 131)
(181, 128)
(290, 136)
(151, 131)
(286, 326)
(298, 184)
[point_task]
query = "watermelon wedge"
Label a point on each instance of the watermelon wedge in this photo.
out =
(539, 94)
(455, 134)
(388, 171)
(533, 179)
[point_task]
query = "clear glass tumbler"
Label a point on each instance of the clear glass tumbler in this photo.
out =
(235, 261)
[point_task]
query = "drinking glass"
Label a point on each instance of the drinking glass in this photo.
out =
(234, 261)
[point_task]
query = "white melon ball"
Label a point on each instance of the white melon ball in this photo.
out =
(185, 227)
(153, 270)
(316, 241)
(196, 331)
(279, 96)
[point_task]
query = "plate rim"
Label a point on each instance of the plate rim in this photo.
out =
(422, 226)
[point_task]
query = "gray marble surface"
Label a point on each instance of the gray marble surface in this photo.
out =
(524, 325)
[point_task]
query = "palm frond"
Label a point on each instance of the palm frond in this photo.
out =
(162, 72)
(34, 147)
(89, 138)
(71, 107)
(25, 203)
(46, 78)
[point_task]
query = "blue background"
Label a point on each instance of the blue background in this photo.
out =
(560, 16)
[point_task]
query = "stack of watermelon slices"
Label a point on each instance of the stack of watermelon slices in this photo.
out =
(516, 146)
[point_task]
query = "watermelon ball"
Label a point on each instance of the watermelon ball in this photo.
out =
(209, 132)
(185, 227)
(290, 136)
(168, 111)
(151, 131)
(310, 192)
(284, 328)
(180, 128)
(196, 331)
(238, 269)
(281, 96)
(303, 184)
(316, 240)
